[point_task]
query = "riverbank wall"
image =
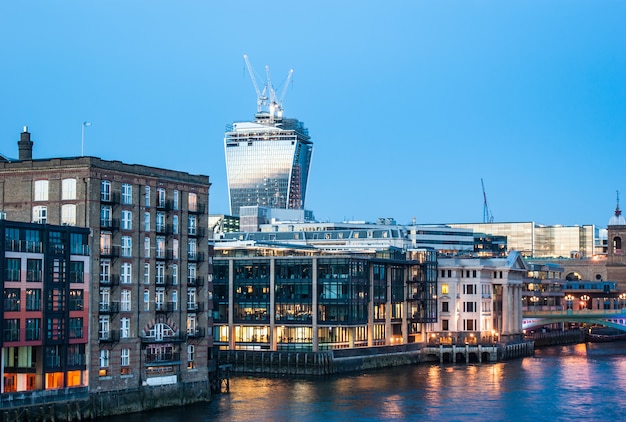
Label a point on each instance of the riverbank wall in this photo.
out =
(557, 338)
(364, 358)
(31, 407)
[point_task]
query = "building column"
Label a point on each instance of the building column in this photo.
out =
(405, 308)
(315, 335)
(231, 306)
(370, 309)
(388, 330)
(505, 309)
(272, 309)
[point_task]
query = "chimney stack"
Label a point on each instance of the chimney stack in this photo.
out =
(25, 145)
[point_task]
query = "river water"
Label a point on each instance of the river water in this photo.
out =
(574, 382)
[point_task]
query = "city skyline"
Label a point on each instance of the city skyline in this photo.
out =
(409, 104)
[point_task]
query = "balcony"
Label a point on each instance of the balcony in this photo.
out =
(174, 338)
(109, 308)
(164, 281)
(197, 209)
(23, 246)
(164, 308)
(195, 281)
(111, 280)
(195, 307)
(109, 251)
(196, 333)
(11, 334)
(157, 358)
(110, 336)
(110, 197)
(195, 231)
(110, 223)
(194, 256)
(75, 360)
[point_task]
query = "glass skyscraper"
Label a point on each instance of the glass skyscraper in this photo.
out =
(267, 163)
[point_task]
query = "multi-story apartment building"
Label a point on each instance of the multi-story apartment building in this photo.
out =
(282, 297)
(150, 260)
(44, 271)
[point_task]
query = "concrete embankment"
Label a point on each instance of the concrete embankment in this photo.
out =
(556, 338)
(110, 403)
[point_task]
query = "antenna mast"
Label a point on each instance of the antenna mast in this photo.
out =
(487, 217)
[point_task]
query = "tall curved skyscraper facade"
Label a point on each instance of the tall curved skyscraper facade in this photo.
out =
(267, 163)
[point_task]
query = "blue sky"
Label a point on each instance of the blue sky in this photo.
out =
(409, 103)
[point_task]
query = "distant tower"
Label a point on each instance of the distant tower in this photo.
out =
(616, 255)
(267, 160)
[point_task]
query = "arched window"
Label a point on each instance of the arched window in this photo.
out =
(617, 245)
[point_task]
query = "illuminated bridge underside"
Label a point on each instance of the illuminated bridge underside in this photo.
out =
(615, 318)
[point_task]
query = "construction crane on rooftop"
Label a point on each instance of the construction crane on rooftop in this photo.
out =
(268, 97)
(487, 216)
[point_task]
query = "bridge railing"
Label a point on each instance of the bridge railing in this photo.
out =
(589, 312)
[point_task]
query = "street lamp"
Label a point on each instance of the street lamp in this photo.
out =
(583, 301)
(569, 299)
(534, 300)
(82, 151)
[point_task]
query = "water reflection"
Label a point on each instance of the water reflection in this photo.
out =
(573, 382)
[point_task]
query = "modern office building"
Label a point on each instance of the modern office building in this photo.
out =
(283, 297)
(45, 310)
(538, 241)
(267, 163)
(150, 260)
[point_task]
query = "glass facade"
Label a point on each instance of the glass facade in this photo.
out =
(267, 164)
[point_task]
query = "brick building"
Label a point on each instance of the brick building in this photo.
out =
(150, 260)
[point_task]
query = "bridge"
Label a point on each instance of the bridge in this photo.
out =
(614, 318)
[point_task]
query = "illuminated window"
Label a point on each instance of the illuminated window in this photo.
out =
(444, 289)
(191, 356)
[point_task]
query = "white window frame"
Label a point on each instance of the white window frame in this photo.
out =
(175, 200)
(105, 190)
(127, 193)
(125, 327)
(175, 224)
(40, 214)
(146, 273)
(68, 214)
(146, 299)
(147, 196)
(104, 358)
(127, 246)
(192, 202)
(125, 300)
(175, 299)
(146, 247)
(127, 220)
(192, 225)
(160, 197)
(174, 274)
(68, 189)
(125, 357)
(126, 271)
(41, 190)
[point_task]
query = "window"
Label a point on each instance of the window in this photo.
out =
(159, 298)
(445, 325)
(126, 273)
(469, 307)
(175, 224)
(469, 289)
(104, 323)
(190, 356)
(146, 221)
(33, 270)
(127, 246)
(127, 220)
(33, 329)
(473, 273)
(11, 299)
(191, 273)
(160, 197)
(175, 248)
(146, 247)
(68, 189)
(192, 204)
(68, 214)
(12, 269)
(105, 190)
(105, 271)
(469, 324)
(105, 243)
(105, 299)
(191, 299)
(77, 269)
(127, 193)
(41, 190)
(146, 273)
(106, 213)
(76, 328)
(11, 330)
(174, 300)
(125, 303)
(445, 289)
(124, 327)
(192, 251)
(76, 300)
(33, 299)
(160, 247)
(147, 196)
(125, 357)
(175, 200)
(160, 273)
(40, 214)
(104, 358)
(174, 274)
(146, 299)
(191, 225)
(160, 222)
(445, 306)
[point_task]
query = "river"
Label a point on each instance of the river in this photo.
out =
(574, 382)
